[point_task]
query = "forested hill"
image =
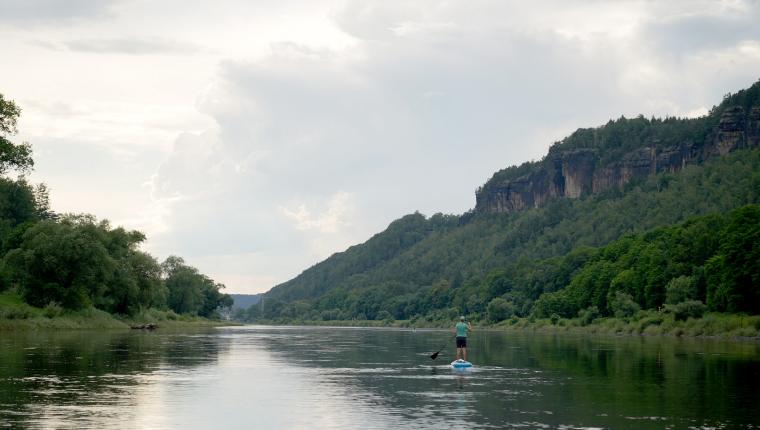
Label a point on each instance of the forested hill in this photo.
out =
(243, 301)
(538, 225)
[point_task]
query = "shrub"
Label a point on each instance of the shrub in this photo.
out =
(680, 289)
(554, 319)
(687, 309)
(384, 316)
(52, 310)
(500, 309)
(15, 313)
(588, 315)
(622, 305)
(559, 303)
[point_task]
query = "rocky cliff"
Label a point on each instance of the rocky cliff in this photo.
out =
(579, 171)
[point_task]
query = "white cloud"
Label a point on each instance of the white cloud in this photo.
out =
(134, 46)
(338, 213)
(53, 11)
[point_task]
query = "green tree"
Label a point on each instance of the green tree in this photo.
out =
(62, 262)
(12, 156)
(733, 274)
(190, 292)
(499, 309)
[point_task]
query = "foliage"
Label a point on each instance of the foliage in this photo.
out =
(500, 309)
(680, 289)
(190, 292)
(589, 315)
(733, 274)
(622, 305)
(686, 309)
(12, 156)
(78, 262)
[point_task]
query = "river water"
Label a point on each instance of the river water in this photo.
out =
(256, 377)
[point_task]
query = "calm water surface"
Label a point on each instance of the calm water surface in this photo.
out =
(325, 378)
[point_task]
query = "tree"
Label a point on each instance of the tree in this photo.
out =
(12, 156)
(190, 292)
(733, 274)
(61, 262)
(499, 309)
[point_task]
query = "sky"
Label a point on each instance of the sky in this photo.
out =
(257, 138)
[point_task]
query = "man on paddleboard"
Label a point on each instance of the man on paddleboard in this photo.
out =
(461, 330)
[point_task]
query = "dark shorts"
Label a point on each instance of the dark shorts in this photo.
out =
(461, 342)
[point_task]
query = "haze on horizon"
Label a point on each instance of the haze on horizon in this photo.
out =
(256, 138)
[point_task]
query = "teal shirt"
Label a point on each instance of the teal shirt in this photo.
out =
(462, 329)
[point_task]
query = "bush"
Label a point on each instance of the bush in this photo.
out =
(687, 309)
(555, 303)
(15, 313)
(622, 305)
(554, 318)
(588, 315)
(680, 289)
(500, 309)
(52, 310)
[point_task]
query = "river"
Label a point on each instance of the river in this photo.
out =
(344, 378)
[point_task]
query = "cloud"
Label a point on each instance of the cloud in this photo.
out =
(689, 34)
(53, 11)
(339, 212)
(133, 46)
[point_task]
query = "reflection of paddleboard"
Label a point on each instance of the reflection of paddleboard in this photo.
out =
(460, 364)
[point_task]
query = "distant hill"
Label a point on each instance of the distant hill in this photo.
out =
(535, 225)
(242, 301)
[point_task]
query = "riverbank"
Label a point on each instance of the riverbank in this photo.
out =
(15, 314)
(645, 323)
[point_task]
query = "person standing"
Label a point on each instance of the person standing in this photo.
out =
(461, 330)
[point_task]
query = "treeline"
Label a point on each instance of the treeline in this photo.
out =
(74, 261)
(710, 262)
(706, 263)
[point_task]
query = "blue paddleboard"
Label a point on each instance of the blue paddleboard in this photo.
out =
(460, 364)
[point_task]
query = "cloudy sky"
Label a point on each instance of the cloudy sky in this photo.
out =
(256, 138)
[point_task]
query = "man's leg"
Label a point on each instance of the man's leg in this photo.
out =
(459, 353)
(464, 352)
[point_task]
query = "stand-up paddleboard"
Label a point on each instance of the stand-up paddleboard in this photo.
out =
(461, 364)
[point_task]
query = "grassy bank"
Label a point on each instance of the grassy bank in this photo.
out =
(650, 323)
(15, 314)
(644, 323)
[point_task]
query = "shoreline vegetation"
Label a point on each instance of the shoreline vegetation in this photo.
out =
(15, 314)
(646, 323)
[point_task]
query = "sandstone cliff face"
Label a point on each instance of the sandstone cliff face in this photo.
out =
(579, 172)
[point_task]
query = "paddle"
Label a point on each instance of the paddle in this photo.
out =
(435, 354)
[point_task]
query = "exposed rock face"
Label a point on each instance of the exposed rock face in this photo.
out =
(578, 172)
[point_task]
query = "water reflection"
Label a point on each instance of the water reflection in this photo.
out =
(539, 380)
(323, 378)
(90, 378)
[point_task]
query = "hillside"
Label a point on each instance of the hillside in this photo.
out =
(627, 177)
(243, 301)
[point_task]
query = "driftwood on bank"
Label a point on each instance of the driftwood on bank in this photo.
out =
(144, 327)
